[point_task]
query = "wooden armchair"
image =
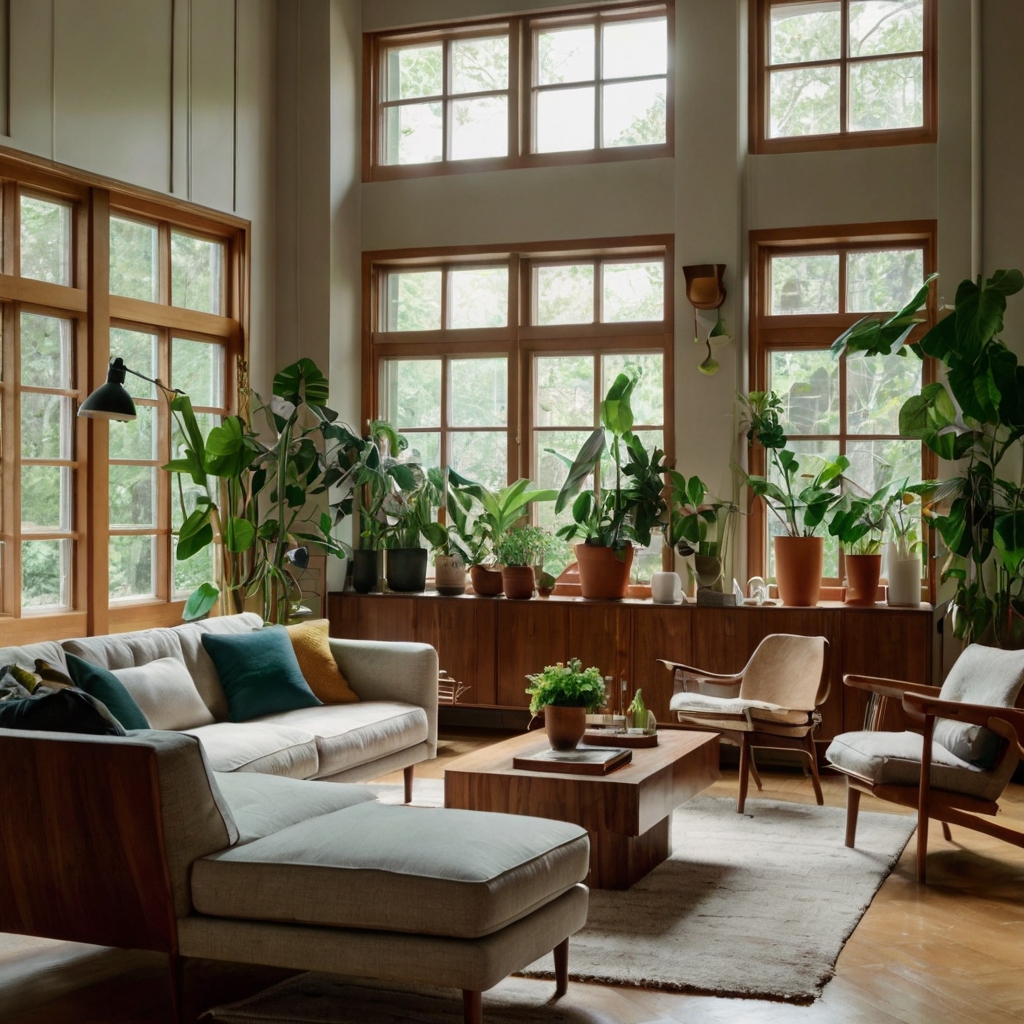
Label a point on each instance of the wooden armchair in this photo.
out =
(930, 765)
(772, 702)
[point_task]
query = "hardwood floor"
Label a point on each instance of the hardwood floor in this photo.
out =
(948, 953)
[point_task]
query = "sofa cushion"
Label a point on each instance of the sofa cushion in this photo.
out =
(259, 673)
(894, 758)
(126, 650)
(259, 747)
(102, 684)
(401, 869)
(312, 645)
(732, 712)
(25, 657)
(264, 804)
(348, 735)
(200, 664)
(165, 694)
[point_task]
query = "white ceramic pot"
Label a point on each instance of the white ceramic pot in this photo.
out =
(904, 576)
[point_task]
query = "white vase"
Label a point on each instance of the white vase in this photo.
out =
(904, 576)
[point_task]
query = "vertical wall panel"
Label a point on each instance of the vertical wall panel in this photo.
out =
(31, 76)
(112, 97)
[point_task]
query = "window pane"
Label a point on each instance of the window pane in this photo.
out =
(803, 32)
(45, 498)
(193, 571)
(191, 492)
(565, 120)
(883, 281)
(886, 26)
(197, 273)
(131, 567)
(804, 101)
(45, 574)
(805, 284)
(425, 448)
(414, 392)
(808, 384)
(478, 297)
(648, 400)
(549, 471)
(134, 439)
(45, 240)
(139, 352)
(479, 128)
(565, 391)
(479, 65)
(887, 94)
(197, 368)
(132, 496)
(45, 351)
(564, 295)
(634, 113)
(565, 55)
(413, 134)
(479, 392)
(134, 260)
(45, 426)
(632, 291)
(414, 71)
(414, 301)
(481, 456)
(876, 388)
(873, 464)
(631, 49)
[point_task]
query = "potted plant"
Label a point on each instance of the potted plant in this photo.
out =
(700, 527)
(545, 584)
(449, 564)
(611, 522)
(903, 558)
(411, 518)
(518, 551)
(800, 501)
(566, 693)
(860, 523)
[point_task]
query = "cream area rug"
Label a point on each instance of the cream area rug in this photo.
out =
(756, 905)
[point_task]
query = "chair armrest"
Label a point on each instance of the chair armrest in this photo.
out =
(972, 714)
(382, 670)
(717, 678)
(894, 688)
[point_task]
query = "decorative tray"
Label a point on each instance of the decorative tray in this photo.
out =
(595, 761)
(635, 741)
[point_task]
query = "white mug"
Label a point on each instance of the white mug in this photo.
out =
(666, 587)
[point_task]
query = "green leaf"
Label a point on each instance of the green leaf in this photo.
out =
(695, 490)
(200, 602)
(239, 534)
(302, 379)
(195, 541)
(616, 412)
(1008, 537)
(227, 454)
(929, 411)
(584, 464)
(295, 496)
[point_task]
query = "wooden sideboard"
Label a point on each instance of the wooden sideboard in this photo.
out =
(490, 644)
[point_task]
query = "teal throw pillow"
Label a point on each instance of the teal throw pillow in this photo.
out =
(106, 687)
(259, 673)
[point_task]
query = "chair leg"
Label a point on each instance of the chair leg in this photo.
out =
(472, 1007)
(561, 952)
(852, 808)
(744, 772)
(922, 844)
(812, 756)
(754, 772)
(946, 834)
(408, 775)
(176, 970)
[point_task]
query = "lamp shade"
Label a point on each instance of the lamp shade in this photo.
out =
(110, 401)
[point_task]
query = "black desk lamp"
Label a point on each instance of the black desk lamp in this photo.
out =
(111, 401)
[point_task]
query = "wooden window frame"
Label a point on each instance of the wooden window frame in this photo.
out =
(817, 332)
(90, 306)
(521, 90)
(760, 72)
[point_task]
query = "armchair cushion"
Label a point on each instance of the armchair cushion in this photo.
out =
(894, 759)
(732, 712)
(981, 675)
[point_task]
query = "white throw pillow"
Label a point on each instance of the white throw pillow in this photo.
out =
(166, 695)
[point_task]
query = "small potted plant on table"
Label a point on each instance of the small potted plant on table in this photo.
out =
(566, 693)
(518, 551)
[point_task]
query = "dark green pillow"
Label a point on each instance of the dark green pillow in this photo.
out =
(259, 673)
(106, 687)
(64, 709)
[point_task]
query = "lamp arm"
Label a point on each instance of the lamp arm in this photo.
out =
(119, 364)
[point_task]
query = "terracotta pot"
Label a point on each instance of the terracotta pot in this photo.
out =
(565, 726)
(450, 575)
(545, 591)
(486, 582)
(904, 574)
(798, 565)
(518, 582)
(603, 575)
(862, 575)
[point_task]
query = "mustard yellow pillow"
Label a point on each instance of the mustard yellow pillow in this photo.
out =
(319, 669)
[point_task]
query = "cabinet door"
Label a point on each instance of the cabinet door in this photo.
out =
(724, 638)
(463, 631)
(343, 612)
(599, 634)
(531, 634)
(384, 617)
(659, 633)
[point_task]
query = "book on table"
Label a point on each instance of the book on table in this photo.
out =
(582, 761)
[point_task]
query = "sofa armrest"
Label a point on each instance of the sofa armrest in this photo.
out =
(382, 670)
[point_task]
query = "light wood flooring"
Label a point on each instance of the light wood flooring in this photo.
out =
(948, 953)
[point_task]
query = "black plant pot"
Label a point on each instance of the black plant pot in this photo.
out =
(407, 570)
(366, 566)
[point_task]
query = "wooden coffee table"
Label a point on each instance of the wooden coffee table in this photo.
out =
(627, 813)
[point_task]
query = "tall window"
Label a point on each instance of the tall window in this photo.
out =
(806, 291)
(486, 363)
(87, 517)
(842, 73)
(524, 91)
